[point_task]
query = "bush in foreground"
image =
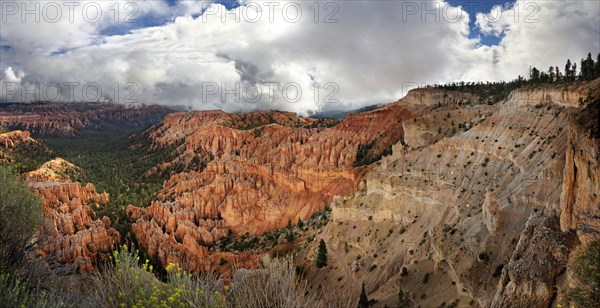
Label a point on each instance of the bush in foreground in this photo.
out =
(128, 282)
(586, 269)
(20, 217)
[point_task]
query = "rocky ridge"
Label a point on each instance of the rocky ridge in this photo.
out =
(474, 214)
(67, 119)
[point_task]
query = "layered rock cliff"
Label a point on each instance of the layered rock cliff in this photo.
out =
(488, 213)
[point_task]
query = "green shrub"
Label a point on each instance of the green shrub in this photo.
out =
(14, 293)
(426, 278)
(290, 236)
(404, 272)
(322, 255)
(498, 270)
(20, 217)
(128, 282)
(586, 270)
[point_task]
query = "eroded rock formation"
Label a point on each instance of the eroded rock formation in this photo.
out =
(71, 233)
(252, 173)
(17, 141)
(10, 139)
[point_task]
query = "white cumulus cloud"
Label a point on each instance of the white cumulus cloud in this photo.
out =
(354, 53)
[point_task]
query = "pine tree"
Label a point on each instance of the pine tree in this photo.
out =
(587, 67)
(534, 75)
(300, 223)
(551, 73)
(322, 255)
(590, 65)
(597, 68)
(289, 224)
(574, 71)
(363, 301)
(568, 70)
(290, 236)
(557, 72)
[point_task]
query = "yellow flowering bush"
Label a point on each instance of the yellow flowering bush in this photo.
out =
(128, 282)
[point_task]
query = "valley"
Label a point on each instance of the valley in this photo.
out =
(441, 198)
(300, 154)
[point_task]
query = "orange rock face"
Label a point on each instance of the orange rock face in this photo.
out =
(71, 232)
(10, 139)
(251, 173)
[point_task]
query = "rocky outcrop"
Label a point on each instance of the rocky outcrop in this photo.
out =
(581, 178)
(540, 256)
(10, 139)
(68, 119)
(438, 97)
(71, 233)
(492, 214)
(56, 170)
(442, 123)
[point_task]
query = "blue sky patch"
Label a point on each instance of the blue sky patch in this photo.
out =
(474, 7)
(154, 20)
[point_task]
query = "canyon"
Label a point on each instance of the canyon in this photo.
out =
(444, 197)
(253, 173)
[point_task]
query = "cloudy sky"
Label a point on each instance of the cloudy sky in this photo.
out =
(289, 55)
